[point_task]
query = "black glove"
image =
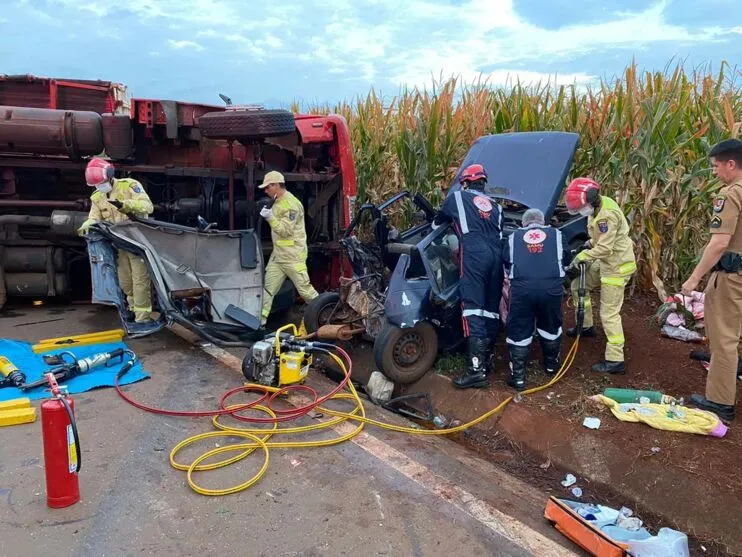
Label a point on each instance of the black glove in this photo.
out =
(585, 245)
(116, 203)
(572, 272)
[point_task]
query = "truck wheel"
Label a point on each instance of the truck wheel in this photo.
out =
(246, 124)
(405, 355)
(319, 310)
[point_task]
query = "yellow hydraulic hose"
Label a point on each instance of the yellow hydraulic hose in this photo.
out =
(259, 438)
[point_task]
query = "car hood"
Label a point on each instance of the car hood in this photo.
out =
(530, 168)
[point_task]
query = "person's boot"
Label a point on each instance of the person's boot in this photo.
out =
(607, 366)
(703, 356)
(476, 372)
(586, 332)
(724, 411)
(518, 360)
(490, 356)
(550, 350)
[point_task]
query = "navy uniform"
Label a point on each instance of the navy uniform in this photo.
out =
(534, 257)
(478, 219)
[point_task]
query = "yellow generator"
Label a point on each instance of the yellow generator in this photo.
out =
(278, 360)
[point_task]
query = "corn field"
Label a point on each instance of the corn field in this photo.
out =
(644, 138)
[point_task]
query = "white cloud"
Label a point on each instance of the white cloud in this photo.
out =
(180, 45)
(403, 41)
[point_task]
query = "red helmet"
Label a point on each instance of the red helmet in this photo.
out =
(472, 173)
(578, 193)
(98, 171)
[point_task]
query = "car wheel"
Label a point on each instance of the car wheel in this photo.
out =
(405, 355)
(247, 124)
(319, 310)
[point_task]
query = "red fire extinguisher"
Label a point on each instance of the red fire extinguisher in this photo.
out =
(61, 447)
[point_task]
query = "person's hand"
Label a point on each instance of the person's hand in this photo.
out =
(266, 213)
(689, 286)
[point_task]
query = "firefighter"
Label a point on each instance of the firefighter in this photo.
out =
(289, 256)
(723, 302)
(113, 200)
(478, 220)
(609, 255)
(534, 257)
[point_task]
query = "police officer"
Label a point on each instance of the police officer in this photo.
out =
(723, 302)
(478, 220)
(289, 256)
(534, 257)
(611, 263)
(113, 200)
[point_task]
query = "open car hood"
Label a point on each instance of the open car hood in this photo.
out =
(529, 168)
(210, 282)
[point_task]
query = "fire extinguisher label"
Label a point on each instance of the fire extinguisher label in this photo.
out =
(71, 450)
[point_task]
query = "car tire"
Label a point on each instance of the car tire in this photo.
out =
(317, 310)
(417, 345)
(244, 125)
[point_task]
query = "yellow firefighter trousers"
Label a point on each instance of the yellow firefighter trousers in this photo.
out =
(611, 302)
(723, 318)
(275, 273)
(134, 281)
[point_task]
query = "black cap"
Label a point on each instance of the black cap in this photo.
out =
(726, 147)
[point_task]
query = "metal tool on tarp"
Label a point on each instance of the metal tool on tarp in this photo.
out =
(75, 367)
(10, 375)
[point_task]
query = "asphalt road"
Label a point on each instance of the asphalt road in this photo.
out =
(382, 493)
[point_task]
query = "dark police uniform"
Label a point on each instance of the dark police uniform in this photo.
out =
(535, 258)
(478, 219)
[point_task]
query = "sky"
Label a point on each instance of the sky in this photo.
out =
(275, 52)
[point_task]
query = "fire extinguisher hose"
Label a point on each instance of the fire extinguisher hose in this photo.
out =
(75, 436)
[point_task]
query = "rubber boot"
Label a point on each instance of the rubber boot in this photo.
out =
(550, 350)
(607, 366)
(518, 359)
(476, 373)
(490, 356)
(586, 332)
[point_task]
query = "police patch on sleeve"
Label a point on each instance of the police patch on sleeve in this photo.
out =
(716, 222)
(603, 226)
(292, 215)
(136, 188)
(719, 204)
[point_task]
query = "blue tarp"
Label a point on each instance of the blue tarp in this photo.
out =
(21, 354)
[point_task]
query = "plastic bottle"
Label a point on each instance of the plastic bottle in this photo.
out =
(635, 395)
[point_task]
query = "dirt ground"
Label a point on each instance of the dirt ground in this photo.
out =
(688, 482)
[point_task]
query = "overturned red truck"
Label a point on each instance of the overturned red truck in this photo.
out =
(193, 159)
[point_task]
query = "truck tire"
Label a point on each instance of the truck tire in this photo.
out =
(405, 355)
(246, 124)
(319, 309)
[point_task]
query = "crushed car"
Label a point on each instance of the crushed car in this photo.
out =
(209, 281)
(404, 290)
